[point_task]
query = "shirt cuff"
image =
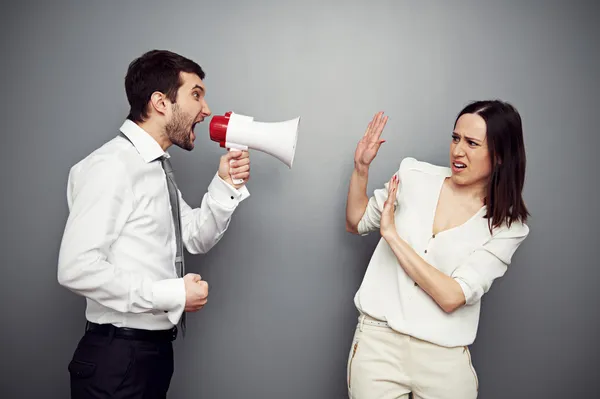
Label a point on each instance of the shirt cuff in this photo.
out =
(362, 228)
(226, 194)
(169, 296)
(467, 291)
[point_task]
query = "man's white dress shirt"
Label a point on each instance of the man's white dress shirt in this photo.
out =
(468, 253)
(118, 248)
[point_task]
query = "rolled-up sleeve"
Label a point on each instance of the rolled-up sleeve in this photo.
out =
(489, 262)
(371, 219)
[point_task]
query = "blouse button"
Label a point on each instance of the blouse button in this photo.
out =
(433, 236)
(416, 285)
(425, 251)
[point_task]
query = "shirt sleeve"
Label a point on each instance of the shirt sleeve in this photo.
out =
(100, 202)
(204, 226)
(371, 220)
(489, 262)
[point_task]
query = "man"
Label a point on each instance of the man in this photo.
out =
(123, 243)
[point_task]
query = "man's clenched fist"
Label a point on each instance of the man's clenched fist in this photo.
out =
(196, 292)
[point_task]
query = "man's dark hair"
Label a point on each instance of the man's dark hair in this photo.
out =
(156, 70)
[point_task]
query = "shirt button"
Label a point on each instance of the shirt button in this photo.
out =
(433, 236)
(425, 251)
(416, 285)
(232, 197)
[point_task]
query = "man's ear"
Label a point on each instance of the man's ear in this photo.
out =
(158, 102)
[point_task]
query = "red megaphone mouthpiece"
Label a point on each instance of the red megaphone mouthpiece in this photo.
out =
(218, 128)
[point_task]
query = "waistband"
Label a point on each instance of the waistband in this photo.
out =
(368, 320)
(131, 333)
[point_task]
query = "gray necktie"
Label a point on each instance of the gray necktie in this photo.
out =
(175, 211)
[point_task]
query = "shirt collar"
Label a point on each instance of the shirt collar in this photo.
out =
(145, 145)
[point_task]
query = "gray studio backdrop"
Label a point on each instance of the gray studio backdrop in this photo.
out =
(280, 316)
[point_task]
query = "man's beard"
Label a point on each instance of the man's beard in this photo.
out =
(179, 127)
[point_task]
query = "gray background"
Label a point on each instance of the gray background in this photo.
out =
(280, 316)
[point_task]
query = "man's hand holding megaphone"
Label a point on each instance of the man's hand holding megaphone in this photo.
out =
(235, 165)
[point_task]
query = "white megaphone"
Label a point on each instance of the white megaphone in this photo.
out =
(240, 132)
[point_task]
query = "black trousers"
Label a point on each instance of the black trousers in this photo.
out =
(108, 366)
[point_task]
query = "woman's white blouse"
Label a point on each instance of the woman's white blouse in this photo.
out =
(468, 253)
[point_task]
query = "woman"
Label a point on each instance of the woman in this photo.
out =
(447, 234)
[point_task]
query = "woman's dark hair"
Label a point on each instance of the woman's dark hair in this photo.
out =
(156, 70)
(506, 147)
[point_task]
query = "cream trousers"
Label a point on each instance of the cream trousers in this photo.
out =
(384, 364)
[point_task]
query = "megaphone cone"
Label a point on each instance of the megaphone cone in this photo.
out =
(240, 132)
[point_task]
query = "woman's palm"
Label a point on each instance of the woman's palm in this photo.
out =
(367, 147)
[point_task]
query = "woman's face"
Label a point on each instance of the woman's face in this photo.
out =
(469, 155)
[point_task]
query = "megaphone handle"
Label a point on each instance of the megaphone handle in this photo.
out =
(235, 181)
